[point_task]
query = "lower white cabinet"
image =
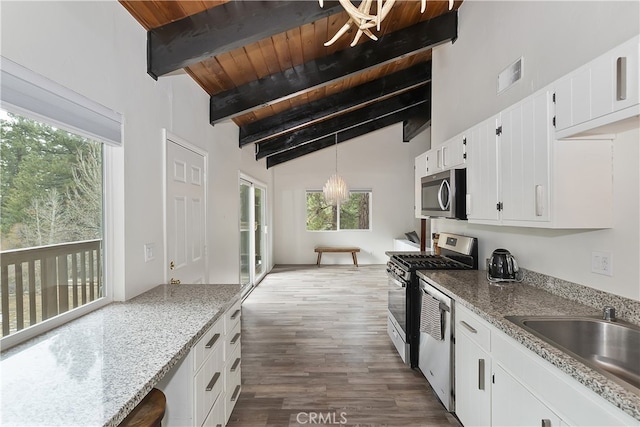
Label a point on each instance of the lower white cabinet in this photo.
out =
(513, 405)
(202, 389)
(499, 382)
(473, 371)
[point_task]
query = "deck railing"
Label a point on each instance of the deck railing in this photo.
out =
(42, 282)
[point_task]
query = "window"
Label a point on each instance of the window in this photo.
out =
(354, 214)
(54, 147)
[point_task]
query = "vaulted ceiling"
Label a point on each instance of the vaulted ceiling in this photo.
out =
(265, 66)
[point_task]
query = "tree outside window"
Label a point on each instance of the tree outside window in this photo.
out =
(354, 214)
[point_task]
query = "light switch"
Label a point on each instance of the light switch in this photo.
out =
(149, 252)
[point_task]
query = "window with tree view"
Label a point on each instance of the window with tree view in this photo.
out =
(354, 214)
(51, 217)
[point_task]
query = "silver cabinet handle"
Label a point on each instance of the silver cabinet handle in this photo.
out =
(235, 365)
(545, 423)
(235, 338)
(480, 374)
(621, 78)
(212, 341)
(235, 314)
(234, 396)
(539, 200)
(213, 381)
(468, 327)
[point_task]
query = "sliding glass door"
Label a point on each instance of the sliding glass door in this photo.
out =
(253, 233)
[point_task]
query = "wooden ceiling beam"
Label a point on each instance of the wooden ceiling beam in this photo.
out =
(329, 141)
(226, 27)
(316, 111)
(322, 71)
(343, 122)
(416, 124)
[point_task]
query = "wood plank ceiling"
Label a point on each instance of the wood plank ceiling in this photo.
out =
(265, 66)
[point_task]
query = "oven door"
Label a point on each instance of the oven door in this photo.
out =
(398, 305)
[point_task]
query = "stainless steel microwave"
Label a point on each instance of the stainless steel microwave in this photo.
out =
(444, 194)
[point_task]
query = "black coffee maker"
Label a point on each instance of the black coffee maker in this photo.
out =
(503, 267)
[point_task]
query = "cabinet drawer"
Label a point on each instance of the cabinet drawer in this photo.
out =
(473, 327)
(233, 365)
(208, 384)
(216, 415)
(232, 393)
(232, 342)
(232, 317)
(212, 339)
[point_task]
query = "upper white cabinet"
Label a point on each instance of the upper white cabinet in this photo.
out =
(449, 155)
(598, 97)
(518, 175)
(482, 172)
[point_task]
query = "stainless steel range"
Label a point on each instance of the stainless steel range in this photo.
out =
(403, 325)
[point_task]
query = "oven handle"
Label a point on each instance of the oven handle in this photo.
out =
(398, 282)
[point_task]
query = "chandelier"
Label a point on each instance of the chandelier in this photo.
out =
(335, 189)
(361, 17)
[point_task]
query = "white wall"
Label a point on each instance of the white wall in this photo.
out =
(554, 38)
(98, 49)
(378, 161)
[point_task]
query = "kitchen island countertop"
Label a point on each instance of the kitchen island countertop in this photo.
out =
(94, 370)
(493, 302)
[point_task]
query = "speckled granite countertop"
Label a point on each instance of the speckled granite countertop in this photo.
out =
(93, 370)
(492, 302)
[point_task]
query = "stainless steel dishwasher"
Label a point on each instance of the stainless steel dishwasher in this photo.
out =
(436, 351)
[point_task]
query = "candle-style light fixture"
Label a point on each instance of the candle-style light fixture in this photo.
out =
(335, 189)
(364, 20)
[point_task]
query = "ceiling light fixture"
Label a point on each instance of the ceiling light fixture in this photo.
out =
(364, 21)
(335, 189)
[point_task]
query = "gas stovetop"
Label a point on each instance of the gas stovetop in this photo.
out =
(429, 262)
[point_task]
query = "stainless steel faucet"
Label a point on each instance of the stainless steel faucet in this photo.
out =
(609, 313)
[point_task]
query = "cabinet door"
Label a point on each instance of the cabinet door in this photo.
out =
(482, 172)
(513, 405)
(524, 159)
(433, 161)
(452, 153)
(473, 382)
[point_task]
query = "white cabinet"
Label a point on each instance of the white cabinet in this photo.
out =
(518, 175)
(473, 370)
(499, 382)
(482, 172)
(598, 97)
(203, 387)
(449, 155)
(513, 405)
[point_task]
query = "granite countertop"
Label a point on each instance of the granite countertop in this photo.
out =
(492, 302)
(93, 370)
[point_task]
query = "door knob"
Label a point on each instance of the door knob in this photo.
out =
(172, 265)
(175, 281)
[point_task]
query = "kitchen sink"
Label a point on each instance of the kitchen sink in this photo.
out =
(609, 347)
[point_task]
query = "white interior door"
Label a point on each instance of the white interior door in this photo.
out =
(185, 229)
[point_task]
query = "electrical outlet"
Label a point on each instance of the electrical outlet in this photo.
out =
(602, 263)
(149, 249)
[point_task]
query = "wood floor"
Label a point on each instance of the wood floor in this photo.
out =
(315, 351)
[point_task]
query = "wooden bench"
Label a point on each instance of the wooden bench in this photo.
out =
(336, 249)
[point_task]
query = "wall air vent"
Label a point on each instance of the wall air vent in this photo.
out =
(510, 75)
